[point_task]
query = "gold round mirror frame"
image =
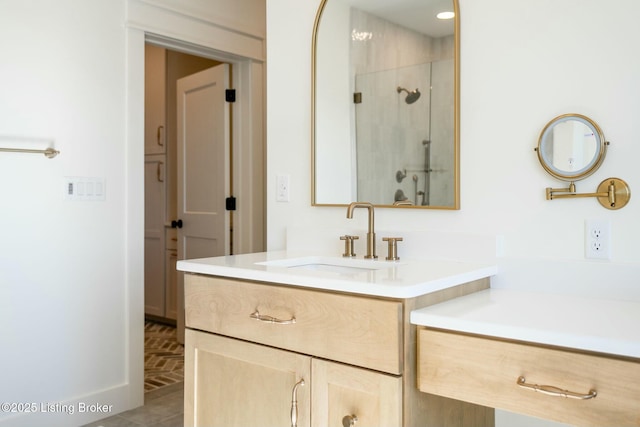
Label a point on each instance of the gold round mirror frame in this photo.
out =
(592, 165)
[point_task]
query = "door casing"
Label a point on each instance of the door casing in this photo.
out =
(249, 169)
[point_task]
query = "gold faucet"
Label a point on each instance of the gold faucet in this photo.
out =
(371, 235)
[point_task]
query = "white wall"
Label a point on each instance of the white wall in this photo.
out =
(63, 295)
(522, 64)
(334, 153)
(71, 273)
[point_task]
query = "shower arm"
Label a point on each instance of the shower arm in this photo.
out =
(412, 96)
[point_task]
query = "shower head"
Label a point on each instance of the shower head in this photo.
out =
(411, 96)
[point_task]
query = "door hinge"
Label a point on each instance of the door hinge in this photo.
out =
(231, 203)
(230, 95)
(357, 97)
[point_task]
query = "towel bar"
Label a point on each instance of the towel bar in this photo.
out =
(49, 152)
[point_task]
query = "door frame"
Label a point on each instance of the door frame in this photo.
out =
(248, 154)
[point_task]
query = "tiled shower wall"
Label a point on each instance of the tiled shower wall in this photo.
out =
(390, 132)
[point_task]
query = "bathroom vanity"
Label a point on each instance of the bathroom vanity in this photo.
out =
(273, 339)
(570, 359)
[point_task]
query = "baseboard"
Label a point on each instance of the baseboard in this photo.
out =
(160, 319)
(76, 412)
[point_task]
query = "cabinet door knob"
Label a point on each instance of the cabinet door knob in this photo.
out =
(176, 224)
(349, 421)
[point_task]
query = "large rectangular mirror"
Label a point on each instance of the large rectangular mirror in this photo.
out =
(385, 103)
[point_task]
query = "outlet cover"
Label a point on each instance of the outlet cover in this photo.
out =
(597, 242)
(282, 188)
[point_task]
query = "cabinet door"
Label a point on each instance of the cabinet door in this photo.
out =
(171, 287)
(154, 99)
(154, 252)
(341, 391)
(233, 383)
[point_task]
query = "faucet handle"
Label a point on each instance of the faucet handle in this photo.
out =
(348, 245)
(392, 254)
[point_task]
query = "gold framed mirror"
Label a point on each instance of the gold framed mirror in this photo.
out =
(385, 104)
(572, 147)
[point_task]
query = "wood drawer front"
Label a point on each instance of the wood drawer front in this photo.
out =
(360, 331)
(485, 372)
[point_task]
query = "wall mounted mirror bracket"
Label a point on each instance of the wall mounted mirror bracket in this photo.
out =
(571, 147)
(612, 193)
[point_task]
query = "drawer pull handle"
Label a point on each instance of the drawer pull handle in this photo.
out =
(294, 403)
(555, 391)
(159, 136)
(269, 319)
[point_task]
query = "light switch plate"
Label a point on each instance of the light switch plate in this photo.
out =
(81, 188)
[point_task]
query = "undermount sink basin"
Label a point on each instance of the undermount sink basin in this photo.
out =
(329, 264)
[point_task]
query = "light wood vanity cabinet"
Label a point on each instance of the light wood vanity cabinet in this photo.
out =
(341, 391)
(245, 353)
(486, 371)
(229, 382)
(238, 383)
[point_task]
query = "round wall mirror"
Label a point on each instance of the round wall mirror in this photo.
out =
(571, 147)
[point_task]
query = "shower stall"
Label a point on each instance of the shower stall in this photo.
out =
(404, 128)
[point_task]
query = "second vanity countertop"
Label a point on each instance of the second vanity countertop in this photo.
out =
(578, 322)
(391, 279)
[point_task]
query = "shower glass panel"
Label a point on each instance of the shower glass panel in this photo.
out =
(404, 151)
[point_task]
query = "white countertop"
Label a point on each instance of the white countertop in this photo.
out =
(592, 324)
(392, 279)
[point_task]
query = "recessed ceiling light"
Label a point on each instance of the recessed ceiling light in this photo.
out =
(445, 15)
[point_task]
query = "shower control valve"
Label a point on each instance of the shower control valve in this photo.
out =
(392, 254)
(348, 245)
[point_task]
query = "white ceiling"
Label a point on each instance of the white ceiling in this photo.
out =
(419, 15)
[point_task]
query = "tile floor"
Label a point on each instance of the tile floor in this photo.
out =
(163, 356)
(162, 408)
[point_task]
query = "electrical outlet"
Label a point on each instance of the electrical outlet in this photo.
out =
(282, 188)
(597, 242)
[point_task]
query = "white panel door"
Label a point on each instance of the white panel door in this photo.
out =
(203, 163)
(203, 169)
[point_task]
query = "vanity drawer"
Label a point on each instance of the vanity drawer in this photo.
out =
(486, 371)
(357, 330)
